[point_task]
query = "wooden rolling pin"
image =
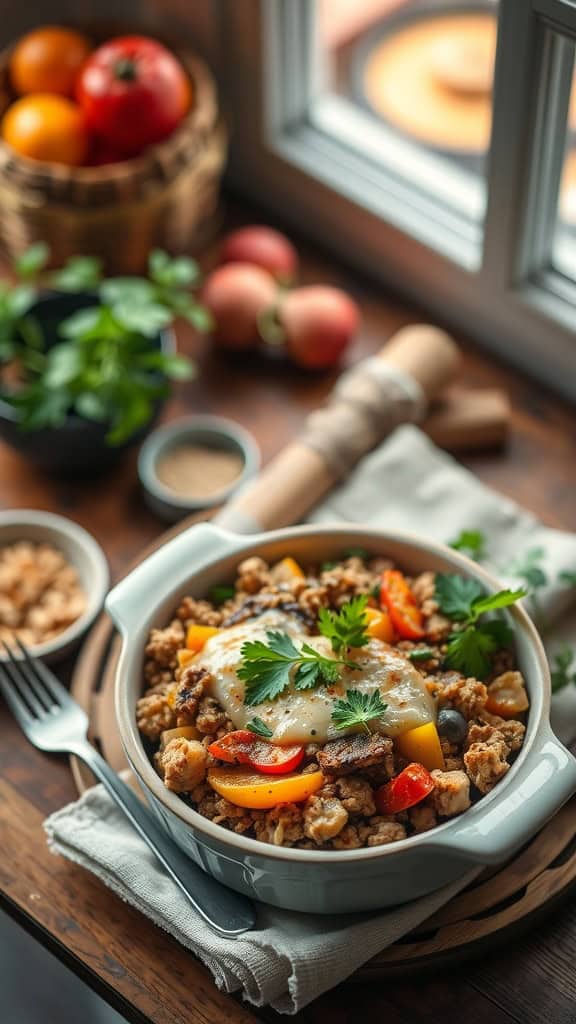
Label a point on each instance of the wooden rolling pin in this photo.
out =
(368, 401)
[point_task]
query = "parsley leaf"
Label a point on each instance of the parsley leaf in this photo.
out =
(464, 600)
(358, 709)
(346, 628)
(471, 543)
(492, 602)
(469, 650)
(456, 595)
(267, 666)
(259, 727)
(569, 578)
(564, 669)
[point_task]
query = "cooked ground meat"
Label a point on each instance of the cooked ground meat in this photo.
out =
(192, 612)
(422, 817)
(465, 695)
(183, 763)
(451, 793)
(164, 644)
(511, 730)
(324, 818)
(342, 814)
(155, 711)
(253, 574)
(210, 716)
(356, 795)
(282, 826)
(486, 762)
(353, 753)
(381, 829)
(191, 686)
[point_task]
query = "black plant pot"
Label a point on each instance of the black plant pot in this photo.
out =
(79, 446)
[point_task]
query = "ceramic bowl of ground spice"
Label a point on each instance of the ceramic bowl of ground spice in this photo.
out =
(194, 464)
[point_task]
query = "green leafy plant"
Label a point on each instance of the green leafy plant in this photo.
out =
(106, 366)
(267, 667)
(470, 648)
(347, 627)
(357, 709)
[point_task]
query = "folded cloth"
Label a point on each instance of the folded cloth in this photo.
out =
(290, 959)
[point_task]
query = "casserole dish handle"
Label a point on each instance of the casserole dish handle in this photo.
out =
(171, 565)
(544, 783)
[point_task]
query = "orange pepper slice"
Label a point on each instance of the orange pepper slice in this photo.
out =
(185, 656)
(379, 624)
(198, 635)
(246, 788)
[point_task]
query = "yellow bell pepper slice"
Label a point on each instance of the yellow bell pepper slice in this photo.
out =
(247, 788)
(188, 732)
(422, 745)
(379, 624)
(287, 570)
(198, 635)
(185, 656)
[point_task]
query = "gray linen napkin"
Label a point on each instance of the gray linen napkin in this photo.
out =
(290, 959)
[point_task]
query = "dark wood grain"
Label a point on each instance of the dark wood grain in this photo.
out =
(131, 962)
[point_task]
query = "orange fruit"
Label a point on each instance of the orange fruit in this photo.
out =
(45, 127)
(48, 60)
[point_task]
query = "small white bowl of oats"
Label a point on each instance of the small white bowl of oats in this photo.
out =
(53, 581)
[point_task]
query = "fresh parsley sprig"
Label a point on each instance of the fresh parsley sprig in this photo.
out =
(463, 600)
(267, 667)
(347, 627)
(357, 709)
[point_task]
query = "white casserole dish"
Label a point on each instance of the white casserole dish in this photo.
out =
(541, 779)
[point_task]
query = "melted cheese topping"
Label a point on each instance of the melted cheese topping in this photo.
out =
(301, 716)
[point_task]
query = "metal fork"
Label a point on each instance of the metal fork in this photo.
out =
(53, 721)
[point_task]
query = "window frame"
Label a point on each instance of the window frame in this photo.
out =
(500, 288)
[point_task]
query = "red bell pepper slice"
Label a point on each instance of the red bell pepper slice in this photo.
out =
(396, 596)
(405, 790)
(245, 747)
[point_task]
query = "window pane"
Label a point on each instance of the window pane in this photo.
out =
(564, 256)
(421, 74)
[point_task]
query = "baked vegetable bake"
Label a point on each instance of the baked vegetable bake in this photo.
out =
(334, 706)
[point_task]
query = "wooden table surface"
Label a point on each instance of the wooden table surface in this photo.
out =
(139, 969)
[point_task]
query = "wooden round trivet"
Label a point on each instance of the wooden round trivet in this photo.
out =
(508, 898)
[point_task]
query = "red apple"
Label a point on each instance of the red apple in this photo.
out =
(319, 322)
(264, 247)
(236, 295)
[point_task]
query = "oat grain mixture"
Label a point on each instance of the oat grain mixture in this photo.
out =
(334, 706)
(40, 593)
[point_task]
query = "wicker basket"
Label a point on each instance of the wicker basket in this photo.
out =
(167, 197)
